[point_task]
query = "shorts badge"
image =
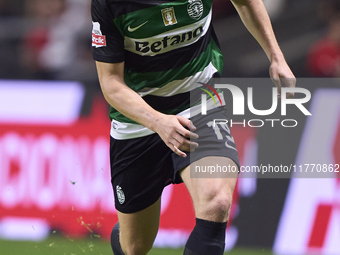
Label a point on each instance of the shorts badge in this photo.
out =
(120, 195)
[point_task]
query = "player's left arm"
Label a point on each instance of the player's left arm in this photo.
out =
(255, 17)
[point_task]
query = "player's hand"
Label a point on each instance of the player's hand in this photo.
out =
(172, 131)
(280, 73)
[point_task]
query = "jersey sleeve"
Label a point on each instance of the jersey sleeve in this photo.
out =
(107, 42)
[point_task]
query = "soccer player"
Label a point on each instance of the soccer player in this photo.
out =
(150, 55)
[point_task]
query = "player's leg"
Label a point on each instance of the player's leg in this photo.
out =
(137, 231)
(212, 198)
(140, 167)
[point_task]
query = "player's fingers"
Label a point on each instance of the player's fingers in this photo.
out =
(187, 133)
(192, 126)
(274, 75)
(178, 151)
(184, 144)
(192, 135)
(289, 83)
(186, 122)
(188, 147)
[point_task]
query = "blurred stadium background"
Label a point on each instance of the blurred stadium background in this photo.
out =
(55, 193)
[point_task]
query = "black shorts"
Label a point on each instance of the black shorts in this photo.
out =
(142, 167)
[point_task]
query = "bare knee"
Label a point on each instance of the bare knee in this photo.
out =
(214, 204)
(136, 248)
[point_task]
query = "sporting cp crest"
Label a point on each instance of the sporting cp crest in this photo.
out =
(169, 16)
(195, 8)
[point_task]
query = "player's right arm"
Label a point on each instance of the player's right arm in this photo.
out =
(169, 127)
(255, 17)
(108, 51)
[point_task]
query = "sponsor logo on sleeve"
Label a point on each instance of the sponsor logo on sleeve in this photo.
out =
(98, 39)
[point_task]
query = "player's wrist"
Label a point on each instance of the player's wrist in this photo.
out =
(277, 57)
(156, 122)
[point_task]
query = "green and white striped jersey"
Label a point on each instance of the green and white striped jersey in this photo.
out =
(167, 46)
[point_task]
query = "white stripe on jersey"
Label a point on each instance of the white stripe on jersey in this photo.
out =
(181, 86)
(123, 131)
